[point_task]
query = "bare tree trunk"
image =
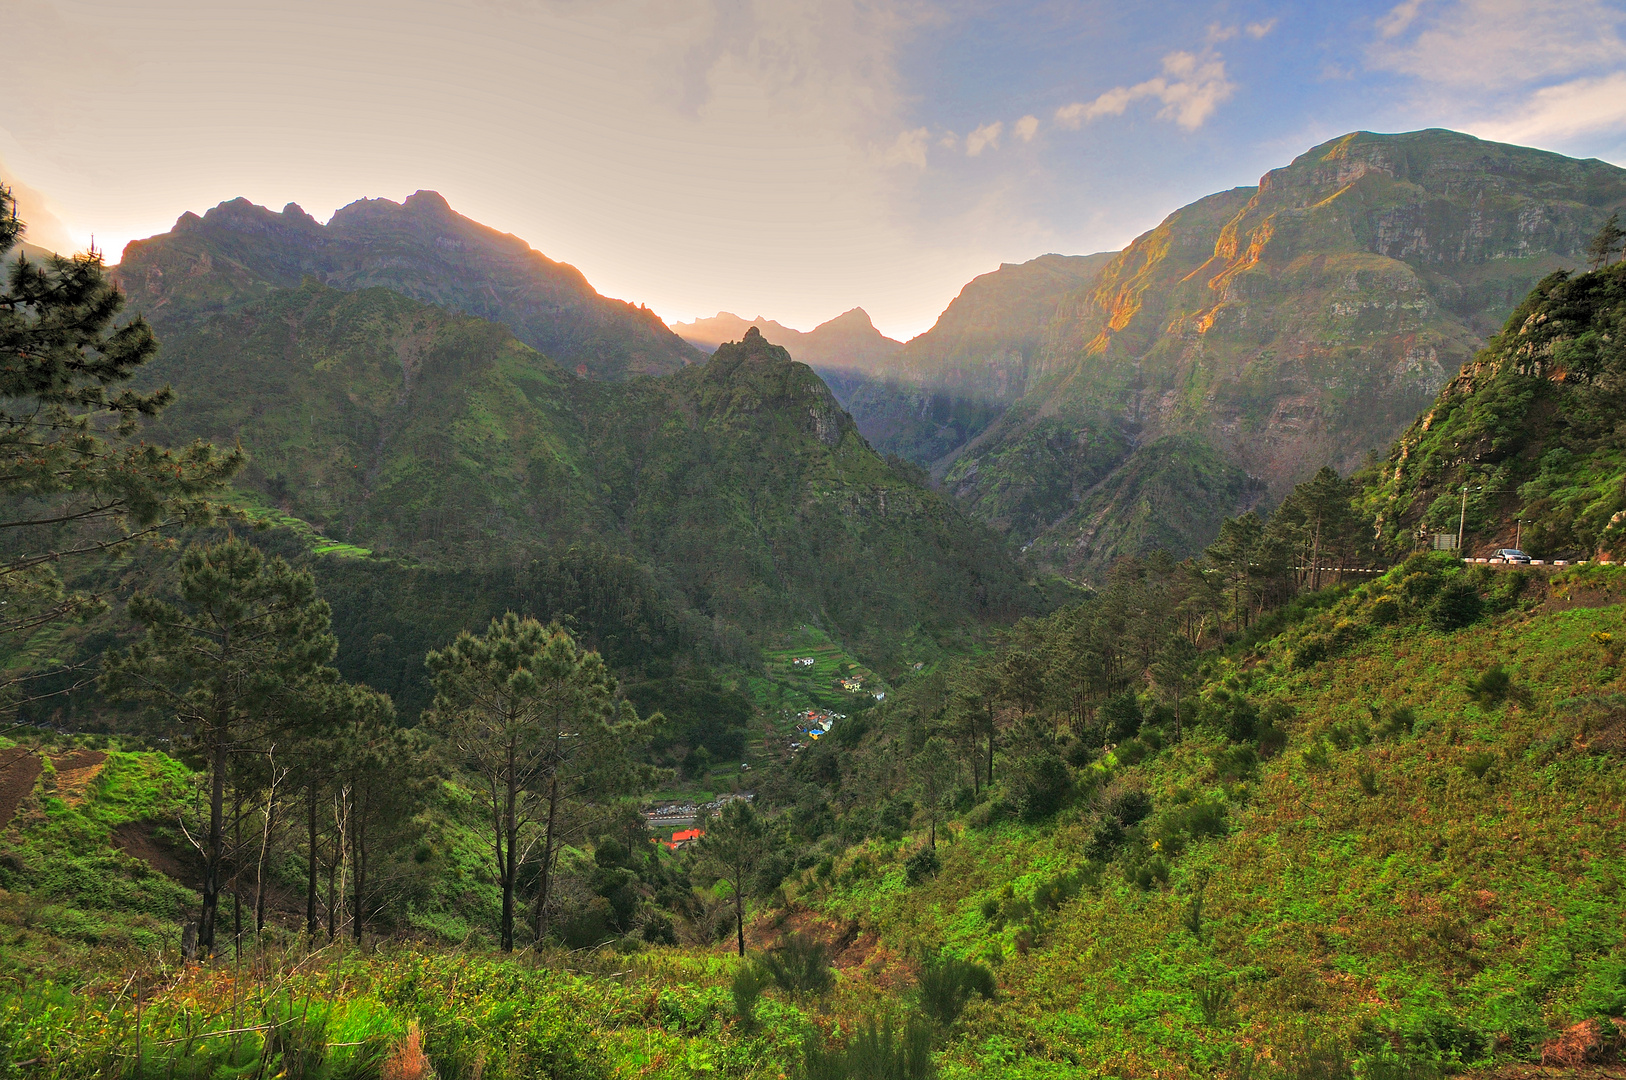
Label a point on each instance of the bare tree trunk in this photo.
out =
(505, 861)
(358, 870)
(310, 860)
(544, 885)
(237, 872)
(212, 857)
(265, 845)
(332, 875)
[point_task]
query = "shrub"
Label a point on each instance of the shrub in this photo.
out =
(922, 865)
(800, 965)
(746, 988)
(658, 930)
(1130, 806)
(1132, 752)
(1107, 838)
(1457, 605)
(1149, 874)
(1235, 762)
(1316, 756)
(1041, 785)
(1400, 720)
(876, 1052)
(1493, 687)
(1122, 716)
(1212, 996)
(947, 983)
(1478, 764)
(1078, 754)
(1367, 777)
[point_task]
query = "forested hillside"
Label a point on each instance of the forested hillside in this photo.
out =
(740, 483)
(1531, 429)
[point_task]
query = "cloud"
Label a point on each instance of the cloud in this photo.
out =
(1399, 18)
(1554, 113)
(949, 141)
(1255, 30)
(1477, 45)
(1191, 87)
(908, 149)
(984, 136)
(1026, 128)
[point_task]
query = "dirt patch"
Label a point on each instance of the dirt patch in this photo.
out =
(75, 772)
(1591, 1042)
(19, 768)
(140, 840)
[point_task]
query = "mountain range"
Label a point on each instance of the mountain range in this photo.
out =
(419, 248)
(1083, 407)
(1252, 337)
(427, 434)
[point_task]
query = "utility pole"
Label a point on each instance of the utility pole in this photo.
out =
(1518, 533)
(1462, 519)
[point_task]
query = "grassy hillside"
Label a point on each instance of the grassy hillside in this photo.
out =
(1364, 858)
(1302, 323)
(1418, 871)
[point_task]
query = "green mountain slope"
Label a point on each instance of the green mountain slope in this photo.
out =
(1300, 323)
(1424, 877)
(1531, 426)
(408, 430)
(237, 252)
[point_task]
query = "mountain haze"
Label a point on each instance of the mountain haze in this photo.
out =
(237, 252)
(1271, 330)
(943, 387)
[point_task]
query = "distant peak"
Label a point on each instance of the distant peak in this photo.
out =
(426, 201)
(854, 317)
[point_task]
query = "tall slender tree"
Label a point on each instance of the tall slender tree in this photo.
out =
(735, 842)
(243, 647)
(534, 715)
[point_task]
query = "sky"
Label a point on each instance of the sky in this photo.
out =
(785, 158)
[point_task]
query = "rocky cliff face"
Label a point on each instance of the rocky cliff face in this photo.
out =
(238, 252)
(1280, 328)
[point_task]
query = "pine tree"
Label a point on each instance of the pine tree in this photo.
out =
(536, 717)
(75, 478)
(735, 842)
(933, 770)
(243, 651)
(379, 772)
(1603, 244)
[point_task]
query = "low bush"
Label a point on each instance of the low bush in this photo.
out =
(946, 983)
(800, 965)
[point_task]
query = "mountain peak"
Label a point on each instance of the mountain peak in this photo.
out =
(426, 202)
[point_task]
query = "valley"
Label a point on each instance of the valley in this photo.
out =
(418, 664)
